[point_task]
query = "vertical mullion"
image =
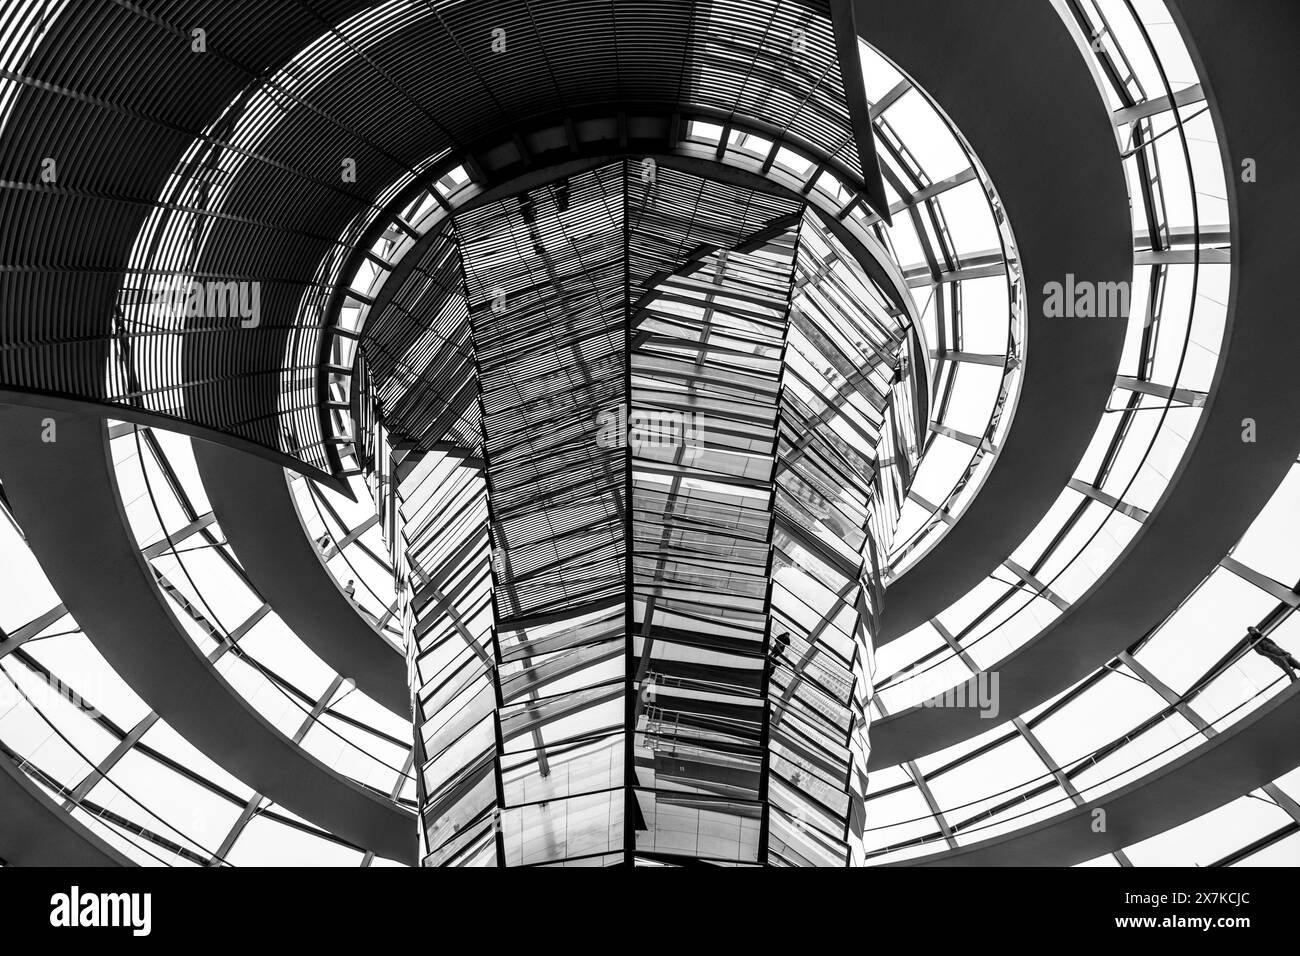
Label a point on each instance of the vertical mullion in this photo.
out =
(498, 836)
(629, 582)
(765, 680)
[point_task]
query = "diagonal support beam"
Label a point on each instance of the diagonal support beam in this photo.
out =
(844, 23)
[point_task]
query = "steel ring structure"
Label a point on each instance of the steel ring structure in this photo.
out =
(560, 432)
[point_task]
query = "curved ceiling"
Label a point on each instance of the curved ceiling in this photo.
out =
(346, 120)
(1083, 229)
(1223, 476)
(36, 833)
(225, 164)
(1243, 759)
(65, 491)
(251, 498)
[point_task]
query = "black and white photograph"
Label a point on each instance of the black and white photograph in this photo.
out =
(677, 434)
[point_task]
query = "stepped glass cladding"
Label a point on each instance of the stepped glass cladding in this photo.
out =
(643, 549)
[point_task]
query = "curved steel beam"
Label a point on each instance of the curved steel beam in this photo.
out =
(254, 503)
(1223, 482)
(137, 416)
(1256, 750)
(35, 831)
(65, 496)
(1064, 192)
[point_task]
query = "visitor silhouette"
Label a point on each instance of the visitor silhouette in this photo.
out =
(1266, 647)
